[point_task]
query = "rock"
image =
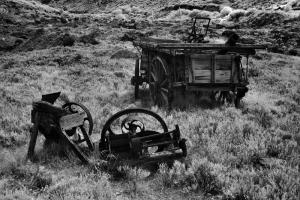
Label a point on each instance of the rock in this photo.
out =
(226, 11)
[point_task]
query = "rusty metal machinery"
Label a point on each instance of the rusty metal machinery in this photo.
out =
(197, 33)
(131, 138)
(137, 134)
(71, 124)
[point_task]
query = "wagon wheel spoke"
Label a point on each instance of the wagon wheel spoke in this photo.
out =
(158, 82)
(164, 83)
(164, 90)
(153, 76)
(164, 95)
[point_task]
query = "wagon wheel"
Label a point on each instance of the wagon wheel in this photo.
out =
(159, 82)
(241, 92)
(84, 131)
(134, 123)
(223, 96)
(136, 75)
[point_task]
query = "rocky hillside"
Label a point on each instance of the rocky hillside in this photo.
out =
(25, 24)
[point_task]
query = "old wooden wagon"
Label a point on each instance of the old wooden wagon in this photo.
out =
(170, 65)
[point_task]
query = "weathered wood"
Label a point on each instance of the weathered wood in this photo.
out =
(202, 76)
(239, 48)
(223, 62)
(223, 76)
(87, 139)
(211, 68)
(74, 147)
(201, 61)
(33, 137)
(71, 120)
(45, 107)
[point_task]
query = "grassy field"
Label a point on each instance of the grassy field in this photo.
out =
(233, 154)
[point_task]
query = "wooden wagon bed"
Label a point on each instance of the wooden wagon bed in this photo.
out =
(169, 64)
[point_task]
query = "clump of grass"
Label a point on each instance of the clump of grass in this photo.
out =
(8, 162)
(198, 177)
(81, 187)
(20, 194)
(262, 116)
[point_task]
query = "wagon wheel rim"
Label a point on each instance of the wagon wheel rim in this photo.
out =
(159, 82)
(136, 73)
(107, 128)
(86, 129)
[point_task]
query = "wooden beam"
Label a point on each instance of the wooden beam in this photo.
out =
(74, 147)
(33, 137)
(72, 120)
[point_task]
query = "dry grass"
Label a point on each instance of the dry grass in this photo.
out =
(247, 153)
(232, 153)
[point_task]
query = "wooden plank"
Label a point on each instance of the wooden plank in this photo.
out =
(46, 107)
(187, 68)
(213, 68)
(223, 76)
(74, 147)
(232, 68)
(72, 120)
(201, 61)
(223, 62)
(202, 76)
(33, 137)
(239, 47)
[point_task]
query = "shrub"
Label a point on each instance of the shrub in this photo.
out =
(262, 116)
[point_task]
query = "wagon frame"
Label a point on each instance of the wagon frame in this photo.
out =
(170, 65)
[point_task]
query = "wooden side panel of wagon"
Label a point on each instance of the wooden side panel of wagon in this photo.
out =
(212, 68)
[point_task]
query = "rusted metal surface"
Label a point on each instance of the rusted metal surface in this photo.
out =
(67, 126)
(136, 140)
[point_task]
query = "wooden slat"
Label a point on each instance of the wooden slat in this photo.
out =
(202, 76)
(72, 120)
(223, 62)
(223, 76)
(201, 61)
(239, 47)
(232, 68)
(74, 147)
(213, 68)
